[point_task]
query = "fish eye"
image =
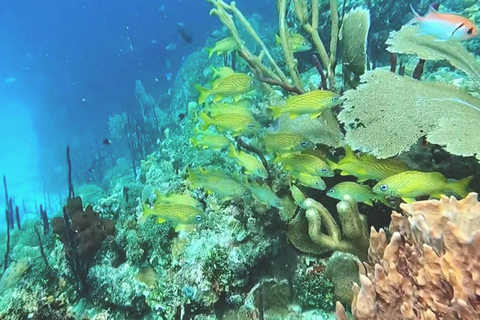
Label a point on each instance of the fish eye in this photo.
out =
(304, 144)
(251, 125)
(383, 187)
(331, 191)
(198, 218)
(335, 99)
(253, 82)
(246, 192)
(470, 31)
(304, 44)
(317, 183)
(324, 170)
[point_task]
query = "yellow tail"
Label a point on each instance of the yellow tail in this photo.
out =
(231, 151)
(210, 52)
(460, 187)
(215, 72)
(332, 164)
(349, 154)
(276, 111)
(204, 93)
(278, 40)
(147, 212)
(194, 142)
(207, 121)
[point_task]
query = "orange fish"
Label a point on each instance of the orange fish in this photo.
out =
(445, 26)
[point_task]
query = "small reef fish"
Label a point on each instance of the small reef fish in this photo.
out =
(358, 192)
(305, 163)
(297, 42)
(187, 37)
(445, 26)
(266, 196)
(223, 46)
(221, 72)
(234, 85)
(286, 142)
(235, 123)
(171, 46)
(313, 103)
(174, 198)
(107, 141)
(212, 141)
(177, 213)
(409, 185)
(222, 108)
(367, 167)
(298, 196)
(218, 183)
(308, 180)
(249, 162)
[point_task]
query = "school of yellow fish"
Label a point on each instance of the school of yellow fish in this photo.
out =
(226, 114)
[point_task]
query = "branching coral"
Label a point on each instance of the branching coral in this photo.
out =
(430, 268)
(273, 74)
(317, 232)
(388, 113)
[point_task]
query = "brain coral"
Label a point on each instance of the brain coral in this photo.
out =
(388, 113)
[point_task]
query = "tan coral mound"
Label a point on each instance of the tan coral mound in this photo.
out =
(430, 269)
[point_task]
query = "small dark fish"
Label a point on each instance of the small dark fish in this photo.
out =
(125, 193)
(107, 141)
(185, 35)
(181, 116)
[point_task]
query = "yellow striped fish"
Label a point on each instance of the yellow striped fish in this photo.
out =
(312, 103)
(305, 163)
(367, 167)
(286, 142)
(176, 213)
(221, 72)
(251, 164)
(358, 192)
(409, 185)
(210, 141)
(233, 85)
(297, 42)
(223, 46)
(235, 123)
(175, 198)
(308, 180)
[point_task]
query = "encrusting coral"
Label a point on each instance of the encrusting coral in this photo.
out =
(315, 231)
(430, 268)
(382, 120)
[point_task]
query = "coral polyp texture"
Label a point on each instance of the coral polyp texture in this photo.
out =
(430, 267)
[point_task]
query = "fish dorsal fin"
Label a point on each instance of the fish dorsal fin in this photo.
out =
(433, 8)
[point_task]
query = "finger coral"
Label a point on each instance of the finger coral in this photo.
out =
(315, 231)
(430, 269)
(382, 120)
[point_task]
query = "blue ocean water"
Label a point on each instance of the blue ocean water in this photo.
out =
(65, 66)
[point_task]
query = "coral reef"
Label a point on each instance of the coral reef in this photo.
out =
(431, 110)
(428, 269)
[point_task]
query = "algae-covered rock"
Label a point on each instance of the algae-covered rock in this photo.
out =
(342, 270)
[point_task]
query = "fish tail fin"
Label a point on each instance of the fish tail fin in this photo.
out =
(332, 164)
(278, 40)
(416, 16)
(349, 154)
(214, 71)
(194, 142)
(207, 121)
(231, 151)
(277, 111)
(204, 93)
(461, 187)
(147, 212)
(210, 52)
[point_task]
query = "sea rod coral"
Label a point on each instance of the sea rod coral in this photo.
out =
(430, 268)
